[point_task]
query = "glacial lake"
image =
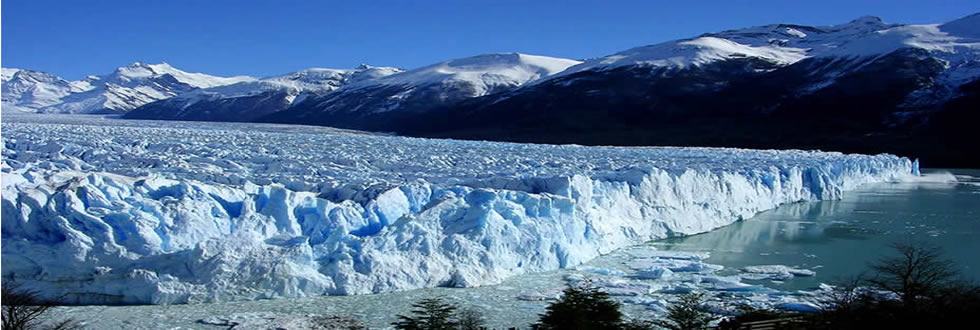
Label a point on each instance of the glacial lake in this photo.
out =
(835, 239)
(838, 238)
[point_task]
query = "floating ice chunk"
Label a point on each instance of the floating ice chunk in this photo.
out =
(697, 267)
(775, 277)
(601, 271)
(674, 265)
(654, 273)
(265, 320)
(645, 301)
(720, 281)
(630, 290)
(625, 287)
(552, 294)
(933, 177)
(728, 283)
(657, 305)
(653, 253)
(774, 272)
(624, 291)
(574, 278)
(615, 286)
(679, 287)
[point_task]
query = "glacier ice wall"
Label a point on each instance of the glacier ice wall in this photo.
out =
(90, 215)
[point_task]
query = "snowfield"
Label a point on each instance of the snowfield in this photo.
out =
(100, 210)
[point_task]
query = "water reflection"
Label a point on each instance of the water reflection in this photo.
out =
(840, 237)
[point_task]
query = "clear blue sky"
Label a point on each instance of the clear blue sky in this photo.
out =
(260, 38)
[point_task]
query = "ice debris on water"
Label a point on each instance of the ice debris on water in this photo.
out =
(774, 272)
(651, 278)
(265, 321)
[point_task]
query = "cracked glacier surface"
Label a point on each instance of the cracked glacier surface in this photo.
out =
(107, 211)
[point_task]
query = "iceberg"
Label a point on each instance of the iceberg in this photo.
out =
(774, 272)
(648, 265)
(111, 211)
(601, 270)
(654, 273)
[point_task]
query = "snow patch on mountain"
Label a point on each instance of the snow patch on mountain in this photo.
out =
(316, 80)
(795, 32)
(483, 72)
(8, 73)
(700, 51)
(138, 71)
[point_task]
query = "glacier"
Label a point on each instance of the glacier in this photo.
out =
(109, 211)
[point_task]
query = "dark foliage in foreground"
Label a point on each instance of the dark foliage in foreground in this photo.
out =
(686, 313)
(429, 314)
(469, 319)
(436, 314)
(584, 308)
(749, 316)
(916, 288)
(24, 310)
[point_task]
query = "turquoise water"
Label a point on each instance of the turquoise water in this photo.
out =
(837, 239)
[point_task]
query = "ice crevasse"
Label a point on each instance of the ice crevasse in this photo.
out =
(100, 237)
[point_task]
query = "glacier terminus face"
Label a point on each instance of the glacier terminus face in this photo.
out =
(101, 210)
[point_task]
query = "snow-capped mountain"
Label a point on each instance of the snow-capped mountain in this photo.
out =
(786, 44)
(336, 97)
(122, 90)
(248, 100)
(758, 70)
(480, 75)
(26, 90)
(864, 86)
(417, 91)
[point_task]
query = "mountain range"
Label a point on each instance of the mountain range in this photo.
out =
(123, 90)
(864, 86)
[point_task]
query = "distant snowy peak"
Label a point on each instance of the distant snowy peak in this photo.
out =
(694, 52)
(122, 90)
(785, 44)
(25, 90)
(320, 79)
(483, 72)
(8, 73)
(422, 90)
(141, 71)
(312, 78)
(247, 100)
(317, 80)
